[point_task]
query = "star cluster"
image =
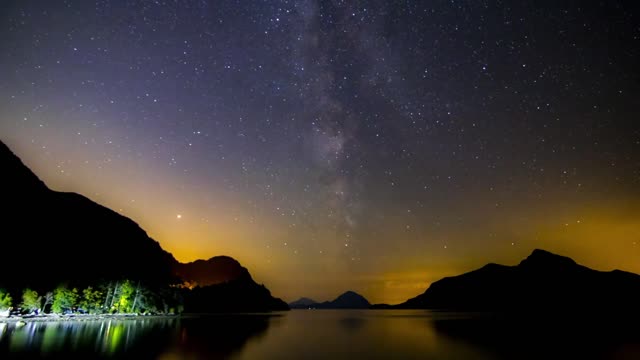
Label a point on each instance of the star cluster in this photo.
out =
(334, 145)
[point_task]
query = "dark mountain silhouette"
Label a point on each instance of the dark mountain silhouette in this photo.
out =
(239, 295)
(51, 237)
(221, 283)
(302, 303)
(348, 300)
(218, 269)
(543, 281)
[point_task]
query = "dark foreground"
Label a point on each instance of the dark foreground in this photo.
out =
(330, 334)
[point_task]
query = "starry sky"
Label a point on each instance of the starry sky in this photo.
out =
(373, 146)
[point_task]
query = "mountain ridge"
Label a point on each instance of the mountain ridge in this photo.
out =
(543, 281)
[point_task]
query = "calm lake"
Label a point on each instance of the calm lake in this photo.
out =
(325, 334)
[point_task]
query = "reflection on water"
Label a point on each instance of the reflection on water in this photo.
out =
(543, 337)
(3, 329)
(326, 334)
(359, 334)
(216, 337)
(209, 337)
(108, 337)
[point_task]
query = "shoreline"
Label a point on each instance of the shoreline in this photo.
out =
(102, 317)
(81, 317)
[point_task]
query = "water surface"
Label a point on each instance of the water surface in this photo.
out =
(327, 334)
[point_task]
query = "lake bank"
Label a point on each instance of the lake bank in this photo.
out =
(81, 317)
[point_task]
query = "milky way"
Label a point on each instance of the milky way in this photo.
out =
(333, 145)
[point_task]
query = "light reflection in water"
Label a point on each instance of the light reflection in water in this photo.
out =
(321, 334)
(3, 329)
(106, 337)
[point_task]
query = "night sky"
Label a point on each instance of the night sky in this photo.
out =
(339, 145)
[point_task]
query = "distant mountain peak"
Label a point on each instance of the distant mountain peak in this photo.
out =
(302, 303)
(216, 270)
(220, 259)
(544, 258)
(347, 300)
(350, 295)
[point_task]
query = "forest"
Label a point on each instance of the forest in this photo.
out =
(114, 297)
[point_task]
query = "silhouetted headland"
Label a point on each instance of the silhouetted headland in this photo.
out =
(541, 282)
